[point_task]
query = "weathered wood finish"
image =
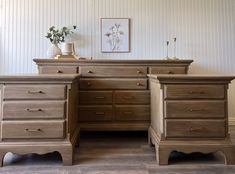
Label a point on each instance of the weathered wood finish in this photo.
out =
(189, 114)
(58, 70)
(39, 115)
(113, 89)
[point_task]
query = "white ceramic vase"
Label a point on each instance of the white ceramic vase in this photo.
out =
(67, 48)
(53, 51)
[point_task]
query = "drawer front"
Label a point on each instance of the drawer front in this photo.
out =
(33, 109)
(132, 97)
(132, 113)
(195, 128)
(195, 109)
(95, 97)
(93, 71)
(34, 92)
(167, 70)
(194, 91)
(58, 70)
(32, 129)
(113, 84)
(95, 113)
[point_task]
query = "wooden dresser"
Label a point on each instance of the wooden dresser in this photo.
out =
(114, 94)
(39, 115)
(189, 114)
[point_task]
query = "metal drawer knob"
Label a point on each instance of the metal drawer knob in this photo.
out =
(195, 129)
(139, 84)
(170, 72)
(35, 92)
(59, 72)
(34, 110)
(33, 130)
(139, 72)
(99, 97)
(88, 84)
(89, 71)
(196, 110)
(100, 113)
(128, 97)
(128, 112)
(196, 92)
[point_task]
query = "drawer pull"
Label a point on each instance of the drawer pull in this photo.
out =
(195, 129)
(170, 72)
(139, 72)
(59, 72)
(34, 110)
(33, 130)
(196, 110)
(99, 97)
(88, 84)
(128, 112)
(128, 97)
(139, 84)
(35, 92)
(196, 92)
(100, 113)
(89, 71)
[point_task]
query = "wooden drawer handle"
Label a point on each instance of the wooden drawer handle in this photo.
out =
(35, 92)
(100, 113)
(34, 110)
(99, 97)
(196, 110)
(195, 129)
(196, 92)
(128, 112)
(33, 130)
(89, 71)
(59, 72)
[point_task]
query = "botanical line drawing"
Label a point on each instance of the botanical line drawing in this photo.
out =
(114, 37)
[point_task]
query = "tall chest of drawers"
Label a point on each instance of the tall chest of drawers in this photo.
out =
(189, 114)
(39, 115)
(114, 94)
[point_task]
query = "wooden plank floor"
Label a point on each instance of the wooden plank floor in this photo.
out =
(116, 153)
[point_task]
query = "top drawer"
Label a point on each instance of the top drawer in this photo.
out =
(58, 70)
(92, 71)
(34, 92)
(167, 70)
(194, 91)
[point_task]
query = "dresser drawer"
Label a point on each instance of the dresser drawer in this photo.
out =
(58, 70)
(167, 70)
(132, 97)
(34, 92)
(195, 128)
(94, 71)
(194, 91)
(195, 109)
(113, 84)
(95, 97)
(95, 113)
(133, 113)
(33, 109)
(32, 129)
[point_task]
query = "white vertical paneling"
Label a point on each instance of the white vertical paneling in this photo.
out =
(204, 30)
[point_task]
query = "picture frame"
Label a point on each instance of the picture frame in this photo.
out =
(115, 35)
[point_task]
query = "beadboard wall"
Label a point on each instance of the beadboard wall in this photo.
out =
(205, 31)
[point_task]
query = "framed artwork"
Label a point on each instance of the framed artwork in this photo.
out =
(115, 35)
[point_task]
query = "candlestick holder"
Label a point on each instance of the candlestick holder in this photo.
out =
(167, 50)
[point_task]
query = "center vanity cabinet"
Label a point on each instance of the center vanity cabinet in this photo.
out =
(114, 94)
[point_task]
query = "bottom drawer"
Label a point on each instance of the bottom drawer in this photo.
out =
(132, 113)
(95, 113)
(29, 129)
(195, 129)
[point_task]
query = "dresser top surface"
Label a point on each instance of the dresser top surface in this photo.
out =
(112, 61)
(191, 77)
(38, 77)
